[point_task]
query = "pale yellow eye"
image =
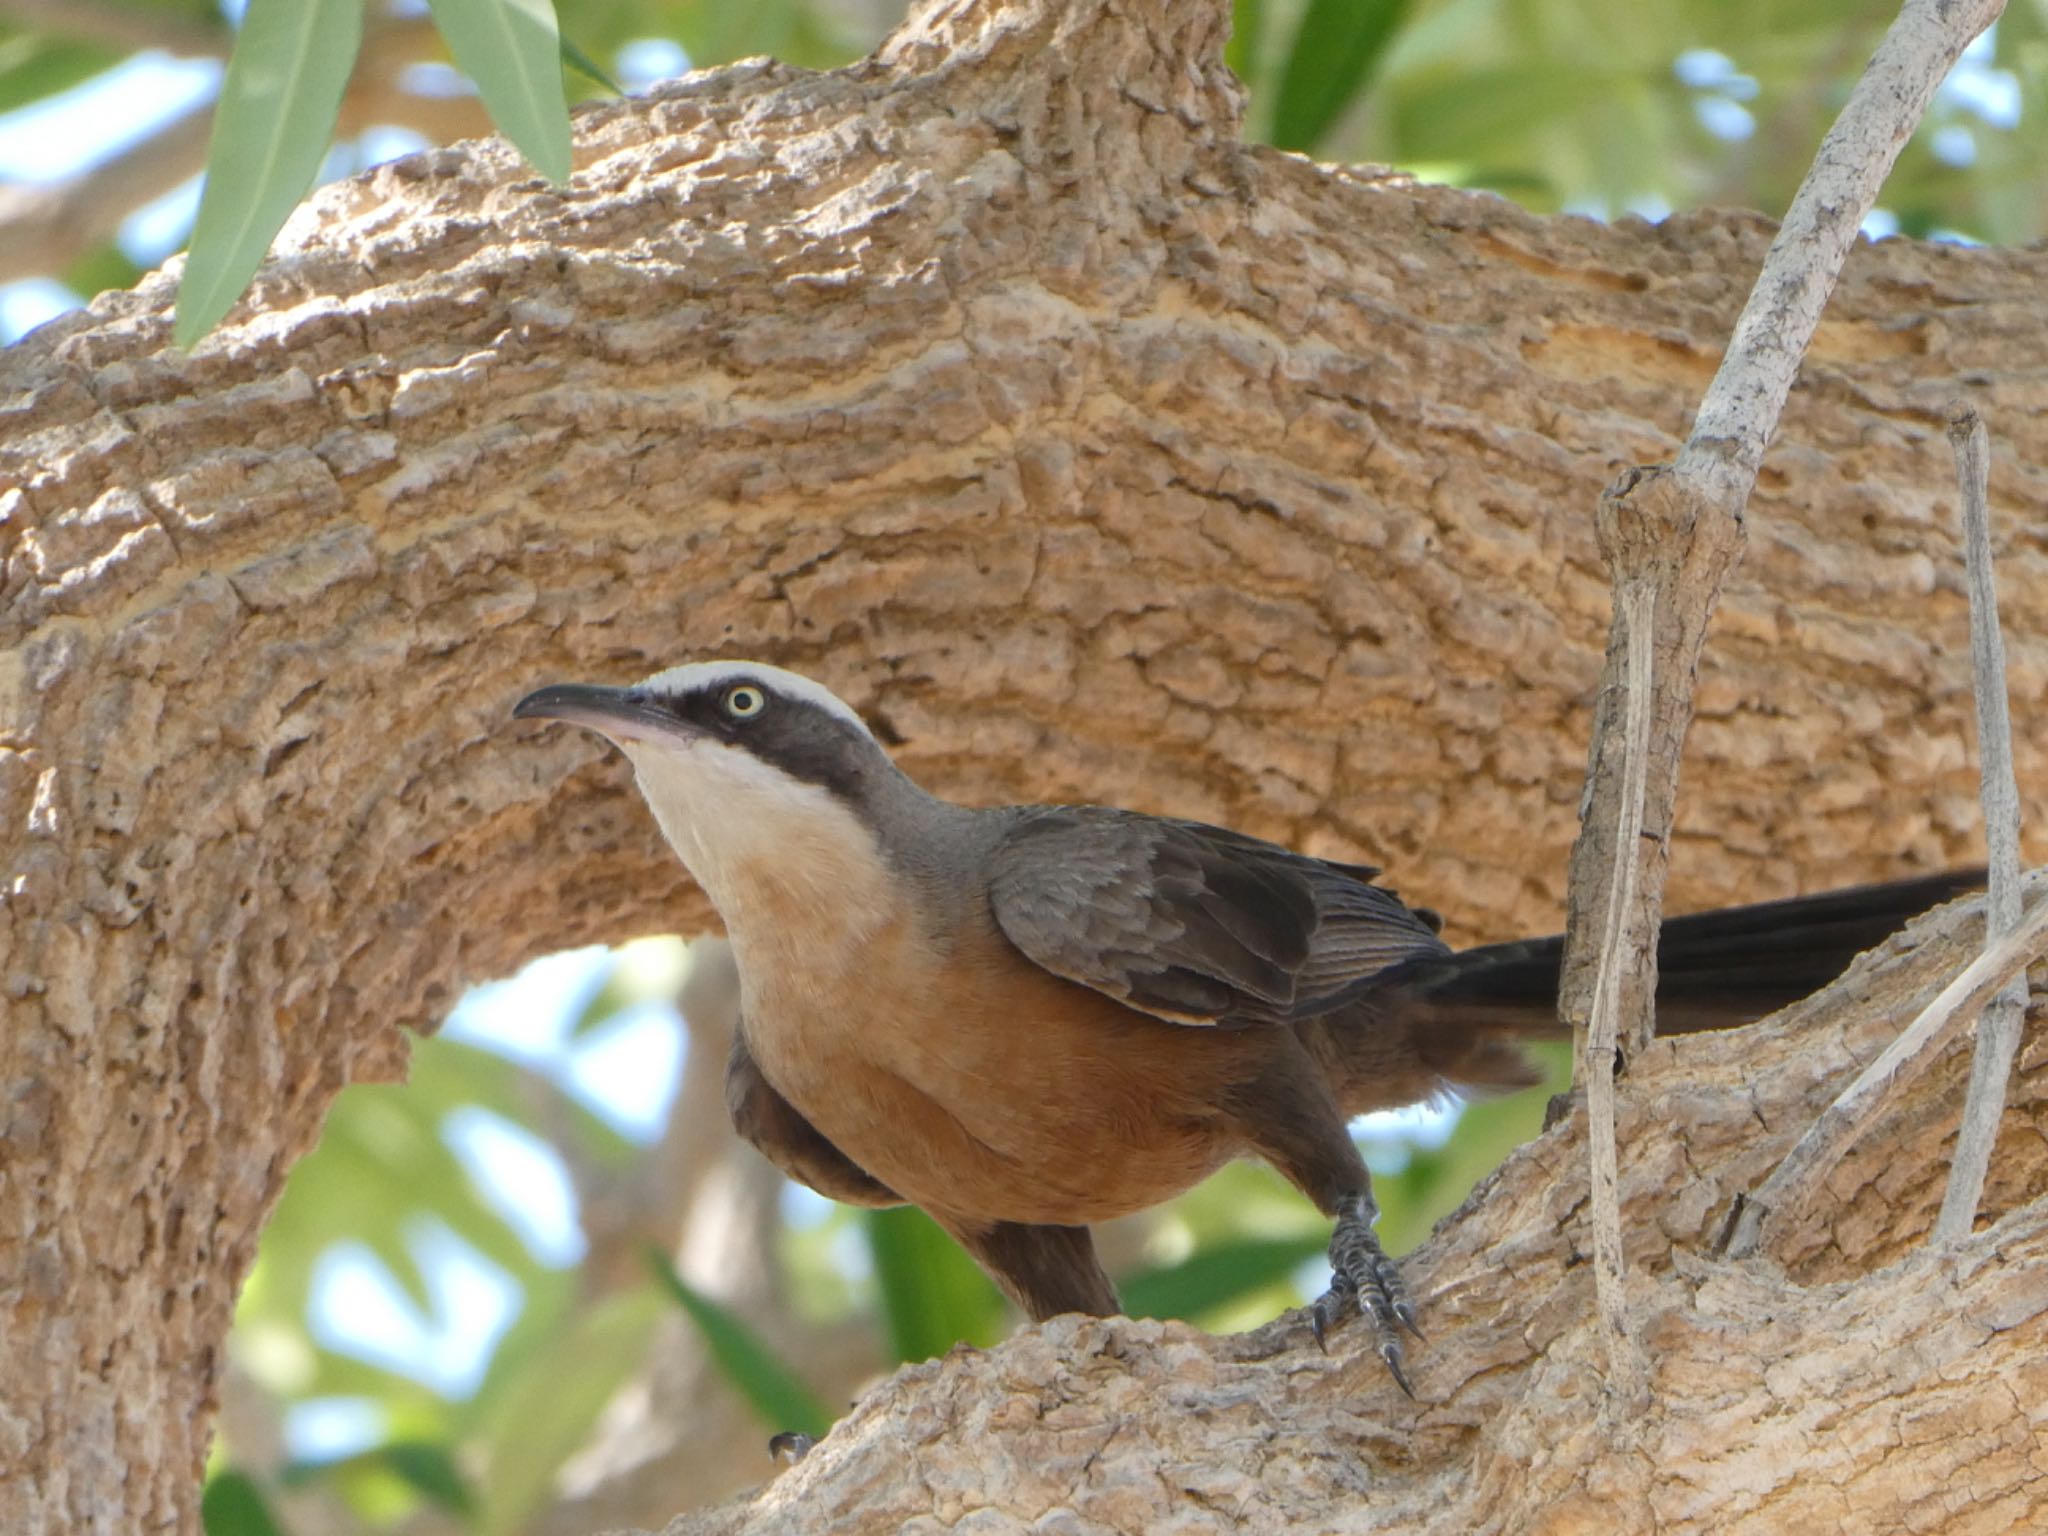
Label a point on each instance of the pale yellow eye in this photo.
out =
(745, 701)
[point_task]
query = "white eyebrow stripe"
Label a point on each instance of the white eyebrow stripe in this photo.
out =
(695, 675)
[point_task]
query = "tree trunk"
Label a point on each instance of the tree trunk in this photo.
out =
(1096, 455)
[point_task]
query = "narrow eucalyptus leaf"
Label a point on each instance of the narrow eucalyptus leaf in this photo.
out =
(512, 49)
(773, 1390)
(1336, 50)
(271, 129)
(233, 1505)
(577, 59)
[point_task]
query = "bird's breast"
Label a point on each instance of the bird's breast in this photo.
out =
(976, 1084)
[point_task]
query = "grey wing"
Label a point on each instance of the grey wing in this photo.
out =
(1192, 923)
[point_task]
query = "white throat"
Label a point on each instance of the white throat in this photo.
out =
(797, 876)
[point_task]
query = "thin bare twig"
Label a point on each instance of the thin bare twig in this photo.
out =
(1998, 1031)
(1842, 1122)
(1675, 533)
(1628, 1370)
(45, 228)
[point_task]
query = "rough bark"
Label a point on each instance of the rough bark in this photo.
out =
(994, 381)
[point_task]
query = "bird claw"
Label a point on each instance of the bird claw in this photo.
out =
(1362, 1276)
(790, 1446)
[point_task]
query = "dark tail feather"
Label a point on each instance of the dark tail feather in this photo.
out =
(1715, 970)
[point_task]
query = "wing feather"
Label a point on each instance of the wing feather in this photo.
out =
(1192, 923)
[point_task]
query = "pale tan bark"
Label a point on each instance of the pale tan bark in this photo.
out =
(995, 382)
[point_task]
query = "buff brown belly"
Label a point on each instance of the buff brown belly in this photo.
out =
(1000, 1092)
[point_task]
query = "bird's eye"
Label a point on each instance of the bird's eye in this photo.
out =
(745, 701)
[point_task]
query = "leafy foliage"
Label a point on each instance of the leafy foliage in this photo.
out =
(931, 1294)
(1600, 105)
(1336, 49)
(233, 1505)
(386, 1182)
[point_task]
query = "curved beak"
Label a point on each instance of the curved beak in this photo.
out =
(623, 714)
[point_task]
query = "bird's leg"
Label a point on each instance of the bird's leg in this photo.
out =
(1362, 1275)
(1045, 1270)
(1286, 1113)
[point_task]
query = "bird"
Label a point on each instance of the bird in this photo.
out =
(1029, 1019)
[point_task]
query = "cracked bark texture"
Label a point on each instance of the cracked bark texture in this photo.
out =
(1093, 453)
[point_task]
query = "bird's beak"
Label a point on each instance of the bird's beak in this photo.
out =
(623, 714)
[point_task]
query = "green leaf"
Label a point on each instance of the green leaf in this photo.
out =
(425, 1466)
(1336, 50)
(34, 66)
(545, 1412)
(648, 970)
(1217, 1276)
(103, 267)
(933, 1296)
(577, 59)
(233, 1505)
(610, 1000)
(270, 132)
(1241, 53)
(782, 1401)
(429, 1468)
(1490, 115)
(513, 51)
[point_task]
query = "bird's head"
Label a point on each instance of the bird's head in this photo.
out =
(751, 770)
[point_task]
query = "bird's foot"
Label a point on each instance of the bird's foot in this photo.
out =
(790, 1446)
(1362, 1276)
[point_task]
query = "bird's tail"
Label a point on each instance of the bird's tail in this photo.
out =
(1715, 970)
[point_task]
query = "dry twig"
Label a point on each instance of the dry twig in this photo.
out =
(1843, 1121)
(1998, 1031)
(1674, 533)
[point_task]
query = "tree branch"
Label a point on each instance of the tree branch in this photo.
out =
(122, 28)
(1628, 1369)
(1128, 1426)
(1671, 536)
(1998, 1028)
(1903, 1061)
